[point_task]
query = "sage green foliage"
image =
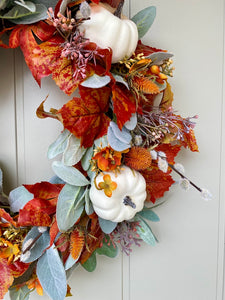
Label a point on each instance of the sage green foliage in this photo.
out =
(51, 274)
(145, 231)
(25, 12)
(70, 206)
(108, 249)
(144, 20)
(19, 294)
(90, 264)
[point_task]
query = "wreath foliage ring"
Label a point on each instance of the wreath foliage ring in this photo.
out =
(117, 148)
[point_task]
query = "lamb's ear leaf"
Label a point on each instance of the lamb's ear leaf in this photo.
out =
(51, 274)
(144, 20)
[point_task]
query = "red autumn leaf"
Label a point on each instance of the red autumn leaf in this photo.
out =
(18, 268)
(54, 230)
(146, 50)
(33, 217)
(76, 243)
(123, 104)
(157, 182)
(171, 151)
(7, 217)
(44, 190)
(23, 36)
(6, 277)
(85, 117)
(46, 206)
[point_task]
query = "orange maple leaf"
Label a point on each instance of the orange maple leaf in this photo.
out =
(76, 243)
(85, 117)
(157, 182)
(123, 104)
(23, 36)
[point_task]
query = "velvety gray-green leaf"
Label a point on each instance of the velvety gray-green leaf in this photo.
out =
(16, 12)
(145, 231)
(69, 174)
(40, 245)
(22, 293)
(28, 5)
(120, 79)
(70, 262)
(59, 145)
(90, 264)
(149, 214)
(96, 81)
(52, 275)
(73, 152)
(106, 225)
(158, 58)
(108, 250)
(18, 198)
(40, 14)
(144, 20)
(85, 161)
(88, 204)
(70, 206)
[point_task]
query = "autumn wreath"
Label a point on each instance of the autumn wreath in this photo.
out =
(117, 147)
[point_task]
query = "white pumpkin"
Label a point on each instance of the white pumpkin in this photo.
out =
(109, 31)
(126, 200)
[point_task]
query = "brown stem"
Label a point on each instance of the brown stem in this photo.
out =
(182, 176)
(34, 241)
(118, 11)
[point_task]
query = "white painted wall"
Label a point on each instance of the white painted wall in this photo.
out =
(187, 264)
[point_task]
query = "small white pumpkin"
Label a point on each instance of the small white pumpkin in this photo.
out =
(109, 31)
(126, 200)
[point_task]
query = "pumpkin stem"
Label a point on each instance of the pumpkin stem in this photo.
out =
(128, 201)
(118, 11)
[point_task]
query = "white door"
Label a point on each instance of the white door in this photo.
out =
(187, 263)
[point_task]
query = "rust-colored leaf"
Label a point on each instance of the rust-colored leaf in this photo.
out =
(167, 98)
(138, 158)
(42, 114)
(85, 117)
(76, 243)
(157, 182)
(123, 104)
(6, 278)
